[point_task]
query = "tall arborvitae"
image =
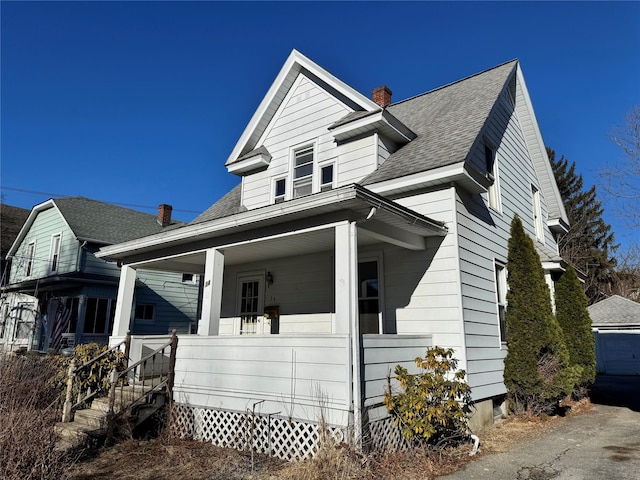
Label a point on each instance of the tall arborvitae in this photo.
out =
(573, 317)
(589, 244)
(537, 372)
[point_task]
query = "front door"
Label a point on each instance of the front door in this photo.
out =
(251, 304)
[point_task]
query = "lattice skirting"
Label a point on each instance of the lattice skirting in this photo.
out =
(273, 435)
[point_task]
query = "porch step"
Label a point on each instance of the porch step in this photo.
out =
(90, 418)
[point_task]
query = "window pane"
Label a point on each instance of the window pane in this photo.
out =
(90, 315)
(280, 186)
(368, 279)
(303, 171)
(302, 188)
(304, 157)
(327, 174)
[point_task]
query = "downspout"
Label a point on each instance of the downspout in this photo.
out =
(355, 329)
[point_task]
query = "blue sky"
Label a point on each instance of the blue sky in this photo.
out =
(140, 103)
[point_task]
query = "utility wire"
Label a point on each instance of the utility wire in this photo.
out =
(53, 195)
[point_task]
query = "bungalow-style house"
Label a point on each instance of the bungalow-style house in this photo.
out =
(615, 322)
(60, 294)
(363, 231)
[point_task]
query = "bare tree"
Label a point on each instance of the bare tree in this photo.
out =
(626, 281)
(621, 179)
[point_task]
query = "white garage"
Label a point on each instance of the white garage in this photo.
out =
(616, 326)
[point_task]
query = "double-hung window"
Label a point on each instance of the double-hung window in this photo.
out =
(537, 212)
(54, 253)
(31, 250)
(279, 190)
(501, 298)
(303, 172)
(492, 172)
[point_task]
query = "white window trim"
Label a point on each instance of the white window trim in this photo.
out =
(51, 253)
(537, 213)
(500, 281)
(30, 260)
(494, 189)
(286, 194)
(290, 189)
(326, 163)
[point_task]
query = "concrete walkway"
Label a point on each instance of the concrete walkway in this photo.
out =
(603, 444)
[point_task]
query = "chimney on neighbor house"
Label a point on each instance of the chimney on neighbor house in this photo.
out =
(164, 214)
(382, 96)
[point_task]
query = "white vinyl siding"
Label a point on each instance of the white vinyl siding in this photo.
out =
(303, 119)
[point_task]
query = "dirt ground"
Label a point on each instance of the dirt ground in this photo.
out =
(161, 459)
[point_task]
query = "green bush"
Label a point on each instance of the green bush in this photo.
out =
(537, 372)
(431, 407)
(573, 317)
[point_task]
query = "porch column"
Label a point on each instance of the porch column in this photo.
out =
(126, 288)
(212, 293)
(346, 272)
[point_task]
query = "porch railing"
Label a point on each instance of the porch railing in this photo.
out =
(152, 373)
(90, 369)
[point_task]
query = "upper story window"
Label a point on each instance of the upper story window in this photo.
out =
(279, 190)
(29, 259)
(303, 172)
(326, 177)
(501, 298)
(54, 253)
(492, 171)
(537, 212)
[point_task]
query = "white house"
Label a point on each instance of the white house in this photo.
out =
(362, 232)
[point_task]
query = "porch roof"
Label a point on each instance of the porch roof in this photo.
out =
(351, 202)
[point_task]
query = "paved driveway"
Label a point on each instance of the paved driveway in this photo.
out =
(603, 444)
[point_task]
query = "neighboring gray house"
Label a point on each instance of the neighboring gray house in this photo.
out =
(59, 294)
(362, 232)
(616, 325)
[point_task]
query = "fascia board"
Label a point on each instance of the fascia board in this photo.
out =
(250, 164)
(542, 151)
(554, 266)
(372, 122)
(419, 179)
(289, 71)
(558, 225)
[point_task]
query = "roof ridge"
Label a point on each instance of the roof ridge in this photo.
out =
(453, 83)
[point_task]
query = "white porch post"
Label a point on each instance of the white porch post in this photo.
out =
(126, 288)
(347, 315)
(212, 293)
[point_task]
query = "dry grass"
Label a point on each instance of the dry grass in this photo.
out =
(28, 411)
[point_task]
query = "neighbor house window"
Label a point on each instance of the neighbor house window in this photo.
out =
(492, 172)
(537, 212)
(303, 172)
(144, 312)
(54, 253)
(501, 298)
(326, 178)
(99, 315)
(188, 278)
(31, 250)
(279, 190)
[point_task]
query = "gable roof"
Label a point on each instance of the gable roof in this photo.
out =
(615, 312)
(447, 122)
(295, 64)
(97, 222)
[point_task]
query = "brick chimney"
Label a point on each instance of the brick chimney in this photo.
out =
(164, 214)
(381, 95)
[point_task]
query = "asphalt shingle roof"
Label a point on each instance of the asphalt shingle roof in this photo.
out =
(104, 222)
(11, 221)
(615, 311)
(446, 121)
(227, 205)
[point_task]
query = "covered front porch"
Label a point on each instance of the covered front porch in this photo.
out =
(292, 303)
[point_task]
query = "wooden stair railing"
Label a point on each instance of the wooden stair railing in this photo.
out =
(145, 377)
(87, 369)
